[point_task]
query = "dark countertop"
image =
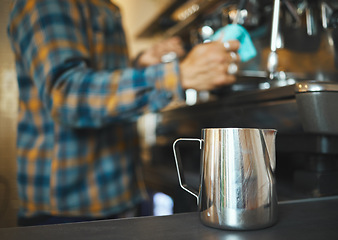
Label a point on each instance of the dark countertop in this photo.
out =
(302, 219)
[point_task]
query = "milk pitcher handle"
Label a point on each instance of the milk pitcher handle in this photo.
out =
(179, 167)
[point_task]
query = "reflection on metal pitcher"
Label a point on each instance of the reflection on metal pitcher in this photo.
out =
(237, 189)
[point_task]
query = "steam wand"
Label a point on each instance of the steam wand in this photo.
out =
(273, 56)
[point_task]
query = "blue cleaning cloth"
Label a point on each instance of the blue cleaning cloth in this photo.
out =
(247, 49)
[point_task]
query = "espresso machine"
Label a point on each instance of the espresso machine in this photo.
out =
(295, 40)
(291, 86)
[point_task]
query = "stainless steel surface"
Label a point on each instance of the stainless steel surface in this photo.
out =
(311, 26)
(275, 26)
(325, 14)
(272, 63)
(317, 105)
(240, 6)
(315, 86)
(237, 189)
(179, 169)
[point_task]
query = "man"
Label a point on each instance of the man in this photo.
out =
(79, 99)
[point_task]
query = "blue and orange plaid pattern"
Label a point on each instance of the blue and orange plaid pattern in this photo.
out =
(79, 100)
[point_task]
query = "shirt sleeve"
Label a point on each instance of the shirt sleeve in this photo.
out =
(55, 50)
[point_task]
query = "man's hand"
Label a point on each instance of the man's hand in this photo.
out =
(153, 55)
(207, 65)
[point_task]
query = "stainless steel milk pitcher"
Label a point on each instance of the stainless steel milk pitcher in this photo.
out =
(237, 188)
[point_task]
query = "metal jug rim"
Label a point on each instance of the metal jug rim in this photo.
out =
(239, 128)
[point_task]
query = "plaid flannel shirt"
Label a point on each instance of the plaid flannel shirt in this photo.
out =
(79, 98)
